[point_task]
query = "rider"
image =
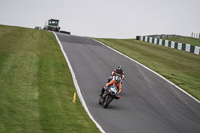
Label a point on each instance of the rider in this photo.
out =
(117, 82)
(118, 70)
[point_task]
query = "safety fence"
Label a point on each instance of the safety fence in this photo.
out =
(164, 36)
(171, 44)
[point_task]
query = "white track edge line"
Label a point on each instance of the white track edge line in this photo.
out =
(151, 71)
(77, 86)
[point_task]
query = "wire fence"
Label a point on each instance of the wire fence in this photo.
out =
(195, 35)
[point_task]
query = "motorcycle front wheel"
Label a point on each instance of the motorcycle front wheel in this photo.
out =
(107, 101)
(100, 100)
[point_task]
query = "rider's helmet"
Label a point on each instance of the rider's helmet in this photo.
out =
(119, 69)
(117, 79)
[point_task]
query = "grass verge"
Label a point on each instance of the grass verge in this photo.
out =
(180, 67)
(36, 87)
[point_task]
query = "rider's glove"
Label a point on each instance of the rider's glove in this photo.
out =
(106, 87)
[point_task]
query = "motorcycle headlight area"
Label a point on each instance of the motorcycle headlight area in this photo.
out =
(113, 89)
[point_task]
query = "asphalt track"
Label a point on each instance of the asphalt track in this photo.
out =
(148, 103)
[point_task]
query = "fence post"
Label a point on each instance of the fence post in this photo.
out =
(199, 36)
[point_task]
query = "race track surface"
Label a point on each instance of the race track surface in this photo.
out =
(148, 103)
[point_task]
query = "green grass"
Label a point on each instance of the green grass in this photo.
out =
(180, 67)
(36, 87)
(185, 40)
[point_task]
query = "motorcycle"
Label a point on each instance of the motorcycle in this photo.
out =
(108, 95)
(110, 77)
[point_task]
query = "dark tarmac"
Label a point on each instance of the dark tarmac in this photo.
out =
(148, 103)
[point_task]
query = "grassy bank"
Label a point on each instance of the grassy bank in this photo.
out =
(180, 67)
(36, 87)
(185, 40)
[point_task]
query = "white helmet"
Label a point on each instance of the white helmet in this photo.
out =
(117, 79)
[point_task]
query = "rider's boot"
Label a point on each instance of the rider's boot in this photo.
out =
(117, 97)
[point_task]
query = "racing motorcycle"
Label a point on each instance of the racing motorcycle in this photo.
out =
(108, 95)
(110, 77)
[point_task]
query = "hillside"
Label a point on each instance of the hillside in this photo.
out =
(36, 85)
(37, 88)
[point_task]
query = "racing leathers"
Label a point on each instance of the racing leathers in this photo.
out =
(116, 73)
(115, 83)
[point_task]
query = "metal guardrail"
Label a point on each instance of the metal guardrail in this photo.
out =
(66, 32)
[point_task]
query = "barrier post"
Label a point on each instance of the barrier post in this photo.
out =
(74, 98)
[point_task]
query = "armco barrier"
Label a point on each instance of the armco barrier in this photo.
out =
(66, 32)
(171, 44)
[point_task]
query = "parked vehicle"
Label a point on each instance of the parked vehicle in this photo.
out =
(38, 27)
